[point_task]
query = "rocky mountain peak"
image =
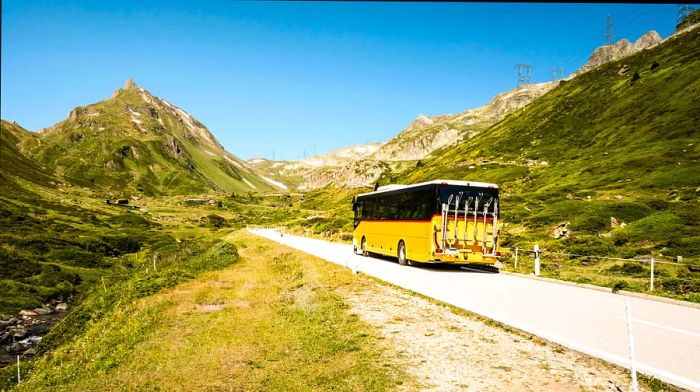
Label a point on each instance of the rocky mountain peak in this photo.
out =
(620, 49)
(429, 133)
(137, 140)
(649, 39)
(424, 120)
(130, 84)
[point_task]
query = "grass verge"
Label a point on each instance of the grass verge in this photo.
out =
(270, 322)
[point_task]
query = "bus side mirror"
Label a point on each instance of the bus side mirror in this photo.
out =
(354, 206)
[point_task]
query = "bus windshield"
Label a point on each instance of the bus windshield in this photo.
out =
(467, 194)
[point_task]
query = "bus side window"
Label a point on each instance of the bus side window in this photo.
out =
(413, 205)
(369, 210)
(394, 207)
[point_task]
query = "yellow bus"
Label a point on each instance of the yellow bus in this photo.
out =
(432, 222)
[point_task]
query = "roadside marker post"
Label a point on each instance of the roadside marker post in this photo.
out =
(635, 388)
(537, 260)
(516, 259)
(651, 281)
(19, 376)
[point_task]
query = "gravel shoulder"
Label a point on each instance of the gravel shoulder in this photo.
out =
(447, 351)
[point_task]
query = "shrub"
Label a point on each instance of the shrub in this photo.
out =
(220, 255)
(683, 246)
(680, 285)
(96, 245)
(122, 244)
(130, 220)
(13, 266)
(144, 286)
(587, 245)
(77, 257)
(654, 227)
(635, 77)
(216, 221)
(54, 275)
(628, 268)
(619, 285)
(590, 223)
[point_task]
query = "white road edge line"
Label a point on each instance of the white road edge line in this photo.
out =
(661, 326)
(624, 362)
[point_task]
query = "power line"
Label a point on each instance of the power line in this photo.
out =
(496, 117)
(645, 19)
(609, 34)
(571, 59)
(524, 73)
(557, 74)
(683, 11)
(635, 18)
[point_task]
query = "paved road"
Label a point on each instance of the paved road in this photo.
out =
(666, 336)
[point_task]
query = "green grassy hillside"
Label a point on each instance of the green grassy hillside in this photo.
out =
(605, 144)
(56, 248)
(13, 162)
(269, 319)
(135, 142)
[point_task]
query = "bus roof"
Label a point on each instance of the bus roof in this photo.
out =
(393, 187)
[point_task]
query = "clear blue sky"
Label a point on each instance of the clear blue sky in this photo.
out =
(294, 76)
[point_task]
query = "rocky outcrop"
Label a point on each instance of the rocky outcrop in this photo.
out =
(357, 174)
(648, 40)
(338, 157)
(130, 84)
(20, 333)
(561, 231)
(343, 168)
(362, 165)
(427, 134)
(619, 50)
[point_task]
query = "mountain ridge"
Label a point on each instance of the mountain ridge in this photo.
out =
(429, 134)
(135, 141)
(617, 143)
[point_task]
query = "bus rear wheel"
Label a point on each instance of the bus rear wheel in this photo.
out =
(363, 246)
(402, 253)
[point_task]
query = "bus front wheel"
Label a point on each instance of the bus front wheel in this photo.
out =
(402, 253)
(364, 247)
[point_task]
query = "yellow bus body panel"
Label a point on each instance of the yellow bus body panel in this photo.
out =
(423, 239)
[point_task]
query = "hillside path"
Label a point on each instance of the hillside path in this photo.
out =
(666, 336)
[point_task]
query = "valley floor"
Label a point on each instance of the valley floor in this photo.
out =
(280, 319)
